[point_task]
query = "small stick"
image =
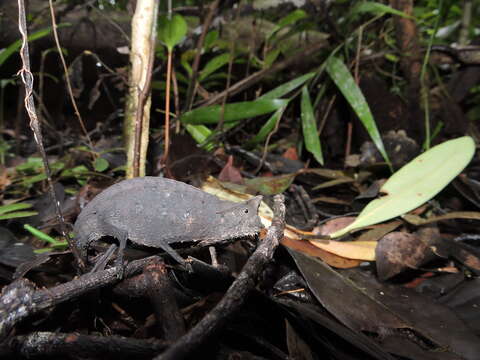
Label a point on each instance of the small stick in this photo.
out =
(22, 299)
(83, 346)
(27, 78)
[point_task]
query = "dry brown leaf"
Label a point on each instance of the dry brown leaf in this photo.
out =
(331, 259)
(399, 251)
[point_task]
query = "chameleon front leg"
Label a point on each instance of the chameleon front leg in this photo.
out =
(170, 251)
(122, 239)
(101, 263)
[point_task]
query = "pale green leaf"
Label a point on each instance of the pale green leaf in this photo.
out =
(172, 31)
(309, 127)
(232, 112)
(342, 77)
(415, 183)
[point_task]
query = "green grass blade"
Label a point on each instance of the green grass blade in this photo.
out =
(415, 183)
(376, 8)
(14, 207)
(232, 112)
(213, 65)
(41, 235)
(18, 214)
(309, 127)
(266, 128)
(285, 88)
(342, 77)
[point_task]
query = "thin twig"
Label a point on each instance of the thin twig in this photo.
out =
(192, 85)
(27, 78)
(67, 76)
(22, 299)
(167, 106)
(63, 345)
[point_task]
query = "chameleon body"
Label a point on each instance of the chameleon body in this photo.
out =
(158, 212)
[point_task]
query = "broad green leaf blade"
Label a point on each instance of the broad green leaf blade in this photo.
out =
(266, 128)
(309, 127)
(14, 207)
(232, 112)
(172, 31)
(415, 183)
(346, 84)
(376, 8)
(285, 88)
(18, 214)
(213, 65)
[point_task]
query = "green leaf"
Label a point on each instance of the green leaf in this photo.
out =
(171, 31)
(213, 65)
(270, 58)
(18, 214)
(210, 39)
(14, 207)
(290, 19)
(270, 185)
(415, 183)
(100, 164)
(32, 164)
(343, 79)
(30, 180)
(12, 48)
(232, 112)
(41, 235)
(309, 127)
(376, 8)
(200, 133)
(285, 88)
(266, 128)
(75, 171)
(185, 59)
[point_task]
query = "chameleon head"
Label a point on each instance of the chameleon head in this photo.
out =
(240, 219)
(85, 232)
